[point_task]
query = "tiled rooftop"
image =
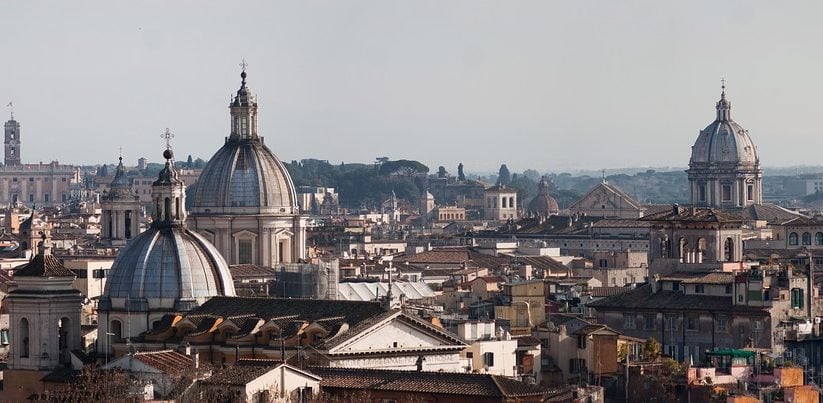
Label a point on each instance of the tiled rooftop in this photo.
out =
(447, 383)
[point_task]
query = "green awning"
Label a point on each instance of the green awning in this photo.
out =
(731, 352)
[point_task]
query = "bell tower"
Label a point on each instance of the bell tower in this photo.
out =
(12, 142)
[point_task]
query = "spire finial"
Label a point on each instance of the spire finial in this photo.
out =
(603, 177)
(11, 109)
(120, 152)
(243, 66)
(168, 135)
(723, 88)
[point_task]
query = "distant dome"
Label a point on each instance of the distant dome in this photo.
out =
(543, 204)
(244, 176)
(120, 188)
(724, 141)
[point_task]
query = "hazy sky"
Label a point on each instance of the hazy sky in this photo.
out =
(533, 84)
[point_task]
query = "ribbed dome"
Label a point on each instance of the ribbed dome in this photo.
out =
(244, 176)
(245, 173)
(724, 141)
(543, 204)
(168, 267)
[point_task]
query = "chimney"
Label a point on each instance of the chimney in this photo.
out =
(675, 209)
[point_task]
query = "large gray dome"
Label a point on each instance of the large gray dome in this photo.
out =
(166, 267)
(244, 176)
(724, 142)
(169, 268)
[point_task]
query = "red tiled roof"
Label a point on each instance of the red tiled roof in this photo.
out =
(43, 265)
(167, 361)
(446, 383)
(243, 372)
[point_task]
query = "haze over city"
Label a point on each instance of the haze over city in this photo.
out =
(567, 85)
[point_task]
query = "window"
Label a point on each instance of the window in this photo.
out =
(244, 251)
(699, 289)
(818, 238)
(693, 323)
(14, 179)
(750, 192)
(581, 341)
(728, 288)
(470, 355)
(649, 321)
(701, 191)
(46, 197)
(24, 338)
(671, 323)
(488, 359)
(727, 193)
(577, 365)
(628, 321)
(793, 238)
(604, 262)
(807, 238)
(671, 351)
(797, 298)
(31, 197)
(31, 179)
(722, 325)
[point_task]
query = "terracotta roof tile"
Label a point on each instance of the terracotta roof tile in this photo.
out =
(167, 361)
(447, 383)
(43, 265)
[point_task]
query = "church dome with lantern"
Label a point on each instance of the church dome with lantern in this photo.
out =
(244, 201)
(244, 175)
(724, 169)
(167, 267)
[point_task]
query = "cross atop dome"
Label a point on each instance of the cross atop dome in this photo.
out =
(723, 106)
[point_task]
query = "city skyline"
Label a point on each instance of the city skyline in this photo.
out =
(547, 86)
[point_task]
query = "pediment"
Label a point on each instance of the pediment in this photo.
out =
(396, 333)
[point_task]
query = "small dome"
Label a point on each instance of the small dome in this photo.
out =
(724, 141)
(168, 268)
(120, 188)
(543, 204)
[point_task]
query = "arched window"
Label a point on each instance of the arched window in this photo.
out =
(701, 248)
(807, 238)
(793, 238)
(729, 249)
(24, 338)
(167, 210)
(116, 329)
(684, 248)
(818, 238)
